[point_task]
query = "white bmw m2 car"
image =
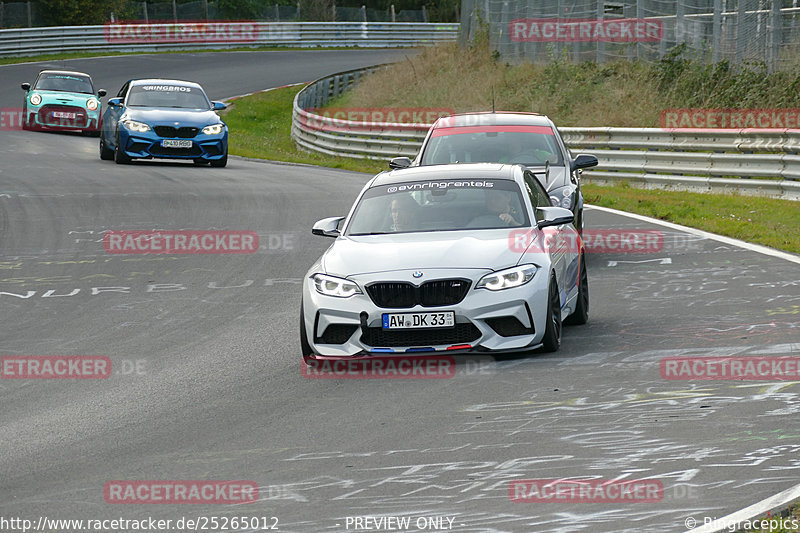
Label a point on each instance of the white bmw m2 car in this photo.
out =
(448, 259)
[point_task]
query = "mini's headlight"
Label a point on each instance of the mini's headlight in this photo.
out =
(331, 286)
(132, 125)
(36, 99)
(92, 104)
(213, 129)
(507, 279)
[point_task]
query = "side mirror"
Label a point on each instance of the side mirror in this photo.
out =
(584, 161)
(101, 92)
(554, 216)
(327, 227)
(218, 106)
(399, 162)
(26, 86)
(114, 102)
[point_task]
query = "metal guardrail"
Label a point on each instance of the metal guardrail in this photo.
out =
(718, 160)
(189, 36)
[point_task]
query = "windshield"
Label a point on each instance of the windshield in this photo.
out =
(526, 145)
(69, 83)
(441, 205)
(167, 96)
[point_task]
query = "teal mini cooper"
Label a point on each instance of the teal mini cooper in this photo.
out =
(62, 100)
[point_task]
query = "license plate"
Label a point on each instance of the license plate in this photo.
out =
(445, 319)
(171, 143)
(63, 114)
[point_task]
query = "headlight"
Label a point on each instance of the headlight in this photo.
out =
(132, 125)
(213, 129)
(92, 104)
(36, 99)
(331, 286)
(507, 279)
(562, 198)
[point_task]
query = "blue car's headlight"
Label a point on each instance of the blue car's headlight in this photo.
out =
(332, 286)
(36, 99)
(213, 129)
(507, 279)
(132, 125)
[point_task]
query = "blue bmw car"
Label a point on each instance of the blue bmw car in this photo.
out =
(170, 119)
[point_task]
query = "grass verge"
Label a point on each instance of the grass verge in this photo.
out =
(260, 128)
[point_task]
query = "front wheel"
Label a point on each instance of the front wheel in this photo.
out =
(119, 156)
(106, 153)
(551, 341)
(305, 347)
(219, 163)
(581, 313)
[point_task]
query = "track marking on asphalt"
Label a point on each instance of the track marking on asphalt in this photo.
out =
(705, 234)
(757, 509)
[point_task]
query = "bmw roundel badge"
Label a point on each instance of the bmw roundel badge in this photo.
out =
(417, 274)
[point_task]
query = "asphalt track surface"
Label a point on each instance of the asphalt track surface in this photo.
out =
(207, 383)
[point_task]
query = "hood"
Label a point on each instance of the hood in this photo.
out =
(558, 177)
(64, 97)
(481, 249)
(168, 116)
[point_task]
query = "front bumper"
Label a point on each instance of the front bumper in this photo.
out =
(486, 321)
(148, 145)
(46, 116)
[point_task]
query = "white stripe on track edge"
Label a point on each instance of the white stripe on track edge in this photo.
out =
(705, 234)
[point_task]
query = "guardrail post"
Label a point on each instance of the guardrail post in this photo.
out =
(363, 13)
(144, 12)
(277, 13)
(30, 19)
(391, 10)
(174, 11)
(424, 14)
(205, 9)
(2, 12)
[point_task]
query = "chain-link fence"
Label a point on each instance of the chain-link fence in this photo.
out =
(19, 15)
(601, 30)
(27, 14)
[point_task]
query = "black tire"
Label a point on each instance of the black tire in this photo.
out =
(219, 163)
(119, 156)
(551, 341)
(305, 347)
(106, 153)
(581, 313)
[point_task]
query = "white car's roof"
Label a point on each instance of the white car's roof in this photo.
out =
(454, 171)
